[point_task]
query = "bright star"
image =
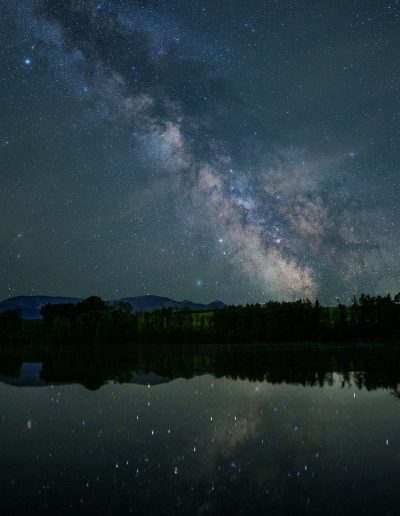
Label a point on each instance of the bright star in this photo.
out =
(27, 61)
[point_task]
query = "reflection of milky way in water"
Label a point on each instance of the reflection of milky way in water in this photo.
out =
(200, 445)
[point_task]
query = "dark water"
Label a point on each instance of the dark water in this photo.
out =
(173, 432)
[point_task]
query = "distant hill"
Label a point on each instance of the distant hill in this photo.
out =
(30, 305)
(151, 303)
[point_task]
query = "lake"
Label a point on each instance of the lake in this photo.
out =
(203, 431)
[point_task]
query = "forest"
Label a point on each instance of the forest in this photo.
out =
(93, 321)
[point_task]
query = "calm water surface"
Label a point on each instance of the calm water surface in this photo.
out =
(154, 444)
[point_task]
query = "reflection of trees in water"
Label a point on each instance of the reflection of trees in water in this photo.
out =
(396, 392)
(95, 366)
(10, 364)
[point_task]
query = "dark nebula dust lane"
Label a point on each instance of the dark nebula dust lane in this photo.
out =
(202, 150)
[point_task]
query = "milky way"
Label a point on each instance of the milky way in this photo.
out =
(242, 151)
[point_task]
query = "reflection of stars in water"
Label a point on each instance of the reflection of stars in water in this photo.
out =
(223, 444)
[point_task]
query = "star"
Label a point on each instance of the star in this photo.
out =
(199, 140)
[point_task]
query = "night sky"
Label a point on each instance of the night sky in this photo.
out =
(241, 151)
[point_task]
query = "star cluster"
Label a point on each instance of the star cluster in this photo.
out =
(200, 149)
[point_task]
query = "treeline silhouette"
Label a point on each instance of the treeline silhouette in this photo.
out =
(369, 318)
